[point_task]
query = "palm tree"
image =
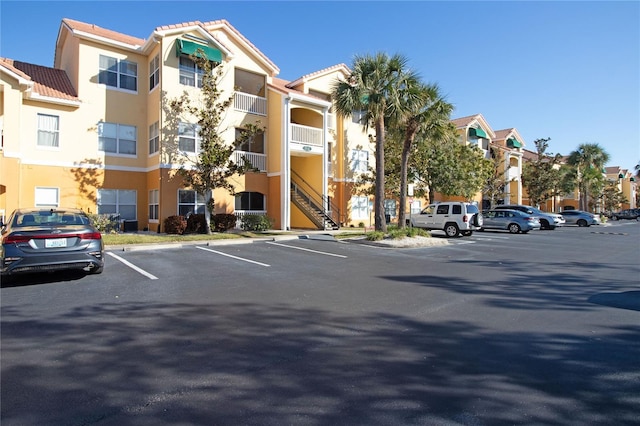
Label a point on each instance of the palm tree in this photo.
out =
(588, 160)
(428, 112)
(374, 87)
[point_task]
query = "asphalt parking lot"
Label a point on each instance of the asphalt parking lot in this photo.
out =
(495, 328)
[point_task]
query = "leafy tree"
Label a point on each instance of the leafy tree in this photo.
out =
(588, 161)
(212, 167)
(541, 176)
(373, 87)
(447, 166)
(493, 188)
(612, 197)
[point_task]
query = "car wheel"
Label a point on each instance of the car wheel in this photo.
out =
(514, 228)
(478, 219)
(451, 229)
(582, 223)
(544, 224)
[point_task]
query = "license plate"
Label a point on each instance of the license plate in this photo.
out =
(55, 243)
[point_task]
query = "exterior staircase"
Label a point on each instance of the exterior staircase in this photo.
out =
(318, 208)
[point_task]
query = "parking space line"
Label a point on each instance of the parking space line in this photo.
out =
(132, 266)
(306, 249)
(234, 257)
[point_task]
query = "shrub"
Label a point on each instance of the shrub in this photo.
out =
(360, 224)
(196, 224)
(175, 225)
(375, 236)
(255, 222)
(106, 223)
(223, 222)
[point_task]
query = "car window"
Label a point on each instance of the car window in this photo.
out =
(490, 214)
(456, 209)
(428, 210)
(472, 208)
(442, 209)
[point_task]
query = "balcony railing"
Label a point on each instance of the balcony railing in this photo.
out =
(242, 213)
(249, 103)
(259, 161)
(306, 135)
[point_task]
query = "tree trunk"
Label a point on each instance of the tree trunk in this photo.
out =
(380, 221)
(208, 196)
(412, 129)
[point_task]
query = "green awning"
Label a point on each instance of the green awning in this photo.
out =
(478, 133)
(514, 143)
(200, 50)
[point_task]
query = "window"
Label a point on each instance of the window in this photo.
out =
(190, 72)
(154, 138)
(154, 204)
(48, 131)
(249, 201)
(442, 209)
(154, 72)
(118, 73)
(188, 137)
(254, 144)
(189, 202)
(359, 207)
(359, 160)
(47, 197)
(118, 202)
(358, 116)
(390, 208)
(117, 138)
(248, 82)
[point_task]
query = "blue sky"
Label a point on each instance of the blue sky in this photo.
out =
(565, 70)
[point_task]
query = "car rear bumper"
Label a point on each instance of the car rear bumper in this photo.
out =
(16, 264)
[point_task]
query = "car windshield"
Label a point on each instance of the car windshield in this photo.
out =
(472, 208)
(49, 218)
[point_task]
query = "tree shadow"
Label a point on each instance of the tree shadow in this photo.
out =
(239, 363)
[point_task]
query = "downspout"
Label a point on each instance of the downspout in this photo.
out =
(286, 172)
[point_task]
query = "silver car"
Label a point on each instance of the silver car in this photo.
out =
(580, 218)
(513, 221)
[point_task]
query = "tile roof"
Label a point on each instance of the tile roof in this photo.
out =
(502, 134)
(464, 121)
(103, 32)
(48, 82)
(318, 73)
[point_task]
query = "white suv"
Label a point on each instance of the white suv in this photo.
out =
(454, 218)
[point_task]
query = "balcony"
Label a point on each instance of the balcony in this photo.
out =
(259, 161)
(306, 135)
(252, 104)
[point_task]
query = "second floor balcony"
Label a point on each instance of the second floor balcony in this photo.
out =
(306, 138)
(253, 104)
(258, 161)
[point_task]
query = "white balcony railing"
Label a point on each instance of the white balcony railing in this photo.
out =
(249, 103)
(259, 161)
(513, 173)
(306, 135)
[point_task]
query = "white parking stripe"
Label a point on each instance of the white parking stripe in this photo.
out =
(132, 266)
(235, 257)
(305, 249)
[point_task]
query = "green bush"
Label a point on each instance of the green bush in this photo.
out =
(105, 223)
(175, 225)
(223, 222)
(375, 236)
(196, 224)
(255, 222)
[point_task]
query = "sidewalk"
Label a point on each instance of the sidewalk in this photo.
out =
(283, 236)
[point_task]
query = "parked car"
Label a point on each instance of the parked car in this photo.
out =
(547, 220)
(580, 218)
(36, 240)
(454, 218)
(630, 214)
(514, 221)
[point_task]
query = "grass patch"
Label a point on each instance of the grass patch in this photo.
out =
(124, 239)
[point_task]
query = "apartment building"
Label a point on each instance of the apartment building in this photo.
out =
(625, 181)
(96, 131)
(474, 130)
